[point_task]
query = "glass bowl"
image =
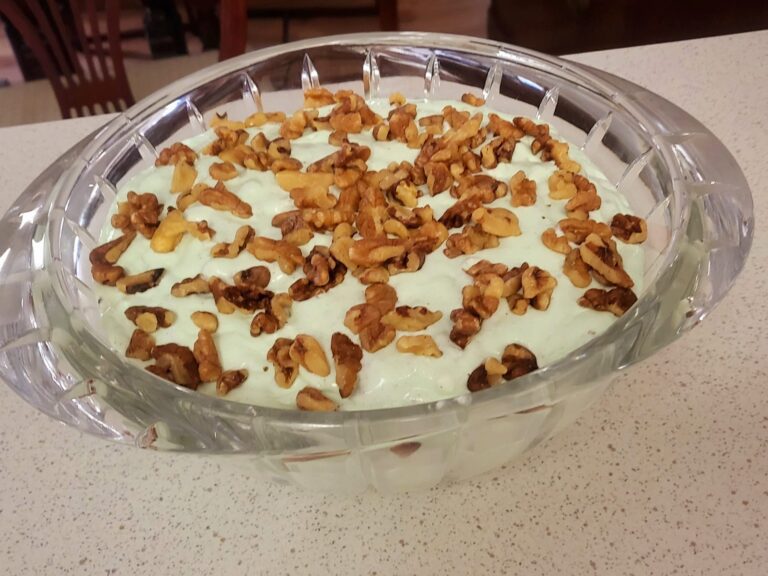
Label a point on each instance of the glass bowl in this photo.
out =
(54, 353)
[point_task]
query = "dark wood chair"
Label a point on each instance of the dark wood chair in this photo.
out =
(83, 64)
(233, 18)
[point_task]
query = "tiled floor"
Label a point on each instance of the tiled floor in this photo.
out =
(24, 103)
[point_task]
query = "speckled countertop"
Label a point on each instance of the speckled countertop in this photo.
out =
(668, 474)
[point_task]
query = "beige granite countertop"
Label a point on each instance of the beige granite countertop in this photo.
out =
(668, 474)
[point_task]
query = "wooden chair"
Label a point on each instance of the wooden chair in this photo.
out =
(84, 65)
(233, 19)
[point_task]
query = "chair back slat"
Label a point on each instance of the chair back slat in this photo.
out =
(84, 66)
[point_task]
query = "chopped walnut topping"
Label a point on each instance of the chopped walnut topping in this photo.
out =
(558, 151)
(177, 364)
(229, 380)
(322, 272)
(205, 321)
(244, 297)
(497, 150)
(365, 320)
(616, 300)
(140, 282)
(274, 316)
(561, 185)
(227, 139)
(255, 278)
(219, 198)
(374, 251)
(103, 259)
(486, 267)
(465, 326)
(172, 229)
(383, 296)
(503, 128)
(538, 286)
(472, 100)
(175, 153)
(411, 318)
(243, 235)
(461, 211)
(630, 229)
(286, 368)
(556, 243)
(497, 221)
(140, 212)
(258, 119)
(422, 345)
(222, 120)
(576, 231)
(150, 318)
(320, 219)
(347, 358)
(307, 352)
(313, 400)
(375, 275)
(516, 361)
(603, 257)
(469, 241)
(290, 180)
(222, 171)
(195, 285)
(141, 345)
(576, 270)
(293, 227)
(313, 197)
(184, 176)
(186, 199)
(294, 126)
(522, 189)
(317, 98)
(207, 356)
(287, 256)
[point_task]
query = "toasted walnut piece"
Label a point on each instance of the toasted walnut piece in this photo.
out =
(375, 275)
(338, 138)
(285, 164)
(205, 321)
(317, 97)
(289, 180)
(219, 198)
(244, 297)
(177, 364)
(410, 261)
(603, 257)
(396, 228)
(227, 139)
(576, 270)
(243, 235)
(195, 285)
(616, 300)
(475, 301)
(383, 296)
(522, 189)
(139, 212)
(340, 251)
(497, 221)
(497, 150)
(347, 359)
(351, 123)
(360, 316)
(293, 127)
(376, 336)
(313, 400)
(470, 240)
(583, 203)
(558, 151)
(556, 243)
(293, 227)
(313, 197)
(503, 128)
(465, 326)
(576, 230)
(487, 374)
(246, 156)
(186, 199)
(222, 120)
(184, 176)
(397, 99)
(150, 318)
(380, 132)
(322, 272)
(432, 124)
(461, 211)
(222, 171)
(407, 193)
(229, 380)
(439, 177)
(422, 345)
(175, 153)
(141, 345)
(207, 356)
(170, 232)
(258, 119)
(274, 317)
(140, 282)
(287, 256)
(486, 267)
(472, 100)
(518, 360)
(286, 368)
(103, 259)
(561, 185)
(255, 278)
(310, 355)
(517, 304)
(538, 286)
(279, 148)
(370, 252)
(630, 229)
(411, 318)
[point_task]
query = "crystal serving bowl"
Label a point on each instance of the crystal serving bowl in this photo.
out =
(676, 174)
